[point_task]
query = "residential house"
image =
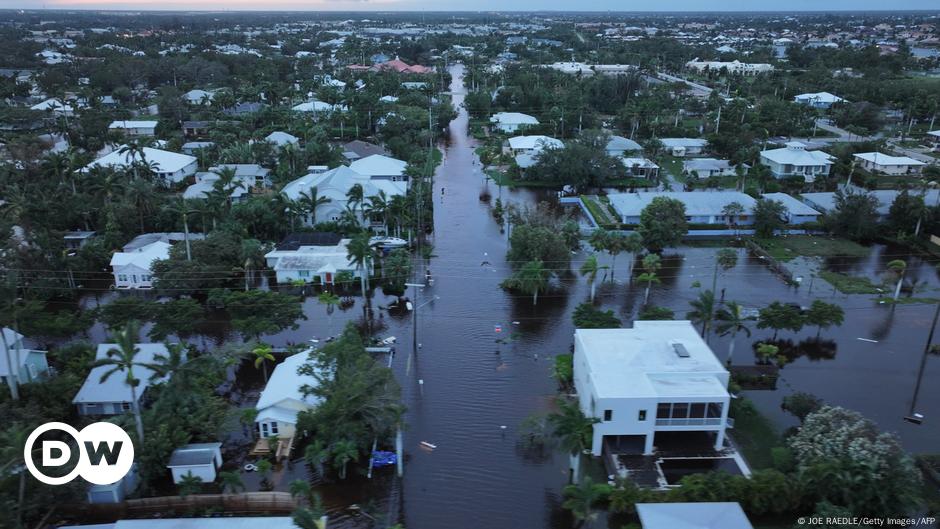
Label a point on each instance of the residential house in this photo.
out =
(708, 167)
(192, 147)
(797, 212)
(170, 167)
(734, 67)
(530, 144)
(681, 147)
(933, 138)
(620, 146)
(313, 263)
(248, 177)
(640, 167)
(795, 160)
(132, 270)
(281, 400)
(699, 515)
(334, 185)
(381, 167)
(247, 522)
(282, 139)
(172, 237)
(77, 239)
(115, 492)
(198, 97)
(512, 122)
(29, 365)
(876, 162)
(825, 201)
(819, 99)
(56, 106)
(113, 396)
(244, 109)
(134, 129)
(700, 207)
(659, 376)
(395, 65)
(196, 129)
(318, 107)
(201, 460)
(360, 149)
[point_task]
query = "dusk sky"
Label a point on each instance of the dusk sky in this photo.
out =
(473, 5)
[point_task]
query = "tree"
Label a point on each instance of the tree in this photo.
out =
(181, 317)
(769, 217)
(590, 269)
(573, 429)
(189, 484)
(299, 488)
(651, 264)
(652, 313)
(824, 315)
(906, 213)
(360, 254)
(779, 316)
(532, 278)
(331, 300)
(183, 208)
(231, 481)
(310, 201)
(852, 215)
(732, 210)
(731, 321)
(586, 316)
(662, 224)
(725, 259)
(344, 452)
(801, 404)
(703, 310)
(580, 499)
(262, 355)
(397, 270)
(258, 312)
(897, 269)
(122, 358)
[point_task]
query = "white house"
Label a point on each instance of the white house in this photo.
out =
(132, 270)
(318, 107)
(698, 515)
(115, 492)
(890, 165)
(700, 207)
(684, 146)
(28, 364)
(334, 184)
(733, 67)
(511, 122)
(381, 167)
(933, 138)
(708, 167)
(619, 146)
(797, 212)
(281, 139)
(113, 396)
(134, 129)
(795, 160)
(659, 376)
(282, 400)
(171, 167)
(640, 167)
(531, 144)
(202, 460)
(818, 99)
(248, 176)
(314, 263)
(55, 106)
(198, 97)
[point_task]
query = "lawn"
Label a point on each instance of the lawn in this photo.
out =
(599, 211)
(787, 248)
(754, 434)
(850, 284)
(673, 166)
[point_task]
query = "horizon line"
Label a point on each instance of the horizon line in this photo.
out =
(465, 11)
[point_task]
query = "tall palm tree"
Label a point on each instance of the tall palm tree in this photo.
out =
(331, 300)
(310, 201)
(231, 481)
(398, 210)
(731, 320)
(651, 264)
(590, 268)
(574, 430)
(226, 184)
(140, 193)
(262, 355)
(183, 208)
(252, 256)
(360, 253)
(344, 452)
(581, 498)
(703, 310)
(171, 364)
(123, 358)
(532, 278)
(355, 196)
(134, 152)
(377, 206)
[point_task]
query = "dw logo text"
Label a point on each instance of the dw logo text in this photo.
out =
(105, 453)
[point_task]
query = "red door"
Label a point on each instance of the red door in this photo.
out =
(329, 278)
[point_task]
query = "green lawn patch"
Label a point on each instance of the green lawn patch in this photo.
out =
(630, 182)
(787, 248)
(673, 166)
(754, 434)
(598, 211)
(907, 301)
(850, 284)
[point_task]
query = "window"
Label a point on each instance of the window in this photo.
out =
(303, 273)
(641, 416)
(273, 428)
(663, 411)
(145, 278)
(608, 415)
(714, 410)
(680, 410)
(697, 411)
(122, 277)
(126, 406)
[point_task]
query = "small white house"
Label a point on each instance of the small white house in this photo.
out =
(381, 167)
(708, 167)
(282, 139)
(56, 106)
(531, 144)
(700, 207)
(312, 263)
(797, 212)
(680, 147)
(282, 400)
(511, 122)
(698, 515)
(318, 107)
(198, 97)
(134, 129)
(659, 376)
(620, 146)
(818, 99)
(132, 270)
(171, 167)
(889, 165)
(202, 460)
(113, 396)
(795, 160)
(640, 167)
(115, 492)
(28, 364)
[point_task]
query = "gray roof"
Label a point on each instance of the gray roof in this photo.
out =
(705, 164)
(170, 237)
(794, 206)
(114, 389)
(683, 142)
(364, 148)
(619, 143)
(826, 201)
(704, 515)
(697, 203)
(194, 455)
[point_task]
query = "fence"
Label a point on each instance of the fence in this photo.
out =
(774, 265)
(248, 503)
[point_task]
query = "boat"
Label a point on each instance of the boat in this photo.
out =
(388, 243)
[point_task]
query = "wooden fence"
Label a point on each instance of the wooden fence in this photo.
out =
(248, 503)
(772, 263)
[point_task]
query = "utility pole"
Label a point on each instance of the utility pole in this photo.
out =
(414, 315)
(913, 416)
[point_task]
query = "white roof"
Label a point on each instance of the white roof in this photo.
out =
(317, 259)
(795, 153)
(52, 104)
(885, 197)
(388, 99)
(114, 389)
(132, 125)
(268, 522)
(705, 164)
(284, 384)
(683, 142)
(142, 257)
(11, 337)
(794, 206)
(167, 162)
(534, 142)
(318, 106)
(702, 515)
(198, 95)
(619, 143)
(379, 165)
(641, 162)
(281, 138)
(820, 97)
(878, 158)
(334, 184)
(513, 118)
(697, 203)
(642, 361)
(934, 133)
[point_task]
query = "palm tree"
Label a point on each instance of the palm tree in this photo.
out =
(123, 358)
(344, 452)
(310, 201)
(590, 269)
(189, 484)
(731, 321)
(231, 481)
(183, 208)
(651, 264)
(252, 255)
(12, 453)
(580, 500)
(262, 354)
(532, 278)
(573, 429)
(300, 488)
(171, 364)
(133, 152)
(226, 184)
(355, 196)
(331, 300)
(377, 206)
(359, 253)
(398, 210)
(703, 310)
(140, 193)
(897, 268)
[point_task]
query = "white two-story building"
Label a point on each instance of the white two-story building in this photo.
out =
(795, 160)
(132, 270)
(659, 376)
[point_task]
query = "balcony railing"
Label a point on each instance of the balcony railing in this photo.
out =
(688, 422)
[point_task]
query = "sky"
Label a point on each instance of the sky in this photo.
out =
(475, 5)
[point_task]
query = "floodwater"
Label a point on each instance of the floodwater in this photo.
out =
(467, 395)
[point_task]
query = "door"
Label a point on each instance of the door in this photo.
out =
(329, 278)
(264, 429)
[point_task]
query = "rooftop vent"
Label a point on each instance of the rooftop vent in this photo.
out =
(680, 350)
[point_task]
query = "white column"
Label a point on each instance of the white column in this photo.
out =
(648, 449)
(720, 437)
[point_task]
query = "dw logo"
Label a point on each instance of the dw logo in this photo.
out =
(105, 453)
